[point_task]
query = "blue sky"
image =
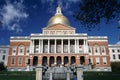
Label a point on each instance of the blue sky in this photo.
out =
(23, 17)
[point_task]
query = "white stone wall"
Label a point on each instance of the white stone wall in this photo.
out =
(114, 50)
(4, 50)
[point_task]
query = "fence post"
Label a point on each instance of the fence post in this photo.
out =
(39, 72)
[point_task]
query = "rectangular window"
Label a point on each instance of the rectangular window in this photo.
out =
(58, 48)
(104, 60)
(97, 60)
(65, 48)
(52, 48)
(119, 56)
(4, 51)
(13, 60)
(14, 50)
(27, 49)
(45, 48)
(3, 58)
(20, 60)
(27, 60)
(118, 50)
(72, 49)
(114, 56)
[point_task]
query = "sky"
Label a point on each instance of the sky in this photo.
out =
(23, 17)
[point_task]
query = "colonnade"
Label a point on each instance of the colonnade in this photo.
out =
(58, 46)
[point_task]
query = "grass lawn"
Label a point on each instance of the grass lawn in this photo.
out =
(87, 75)
(17, 75)
(101, 75)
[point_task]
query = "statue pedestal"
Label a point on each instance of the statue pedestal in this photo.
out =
(68, 75)
(79, 73)
(50, 78)
(39, 72)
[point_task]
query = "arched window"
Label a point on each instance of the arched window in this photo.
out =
(21, 50)
(103, 50)
(35, 61)
(44, 61)
(97, 50)
(14, 50)
(51, 61)
(73, 60)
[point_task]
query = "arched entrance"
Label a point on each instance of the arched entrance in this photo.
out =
(58, 60)
(82, 59)
(65, 60)
(73, 60)
(44, 61)
(51, 61)
(35, 61)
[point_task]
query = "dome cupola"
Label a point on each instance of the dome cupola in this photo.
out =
(58, 18)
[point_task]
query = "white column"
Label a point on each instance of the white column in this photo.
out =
(55, 46)
(68, 45)
(42, 46)
(33, 47)
(78, 45)
(75, 46)
(48, 46)
(61, 45)
(30, 46)
(39, 45)
(84, 46)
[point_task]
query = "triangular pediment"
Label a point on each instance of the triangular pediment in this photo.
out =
(59, 27)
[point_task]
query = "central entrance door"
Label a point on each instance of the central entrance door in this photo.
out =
(58, 60)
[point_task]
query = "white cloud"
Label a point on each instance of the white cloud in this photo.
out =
(65, 4)
(12, 14)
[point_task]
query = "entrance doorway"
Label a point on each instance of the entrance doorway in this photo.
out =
(82, 59)
(35, 61)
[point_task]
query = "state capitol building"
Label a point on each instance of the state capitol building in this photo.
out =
(58, 45)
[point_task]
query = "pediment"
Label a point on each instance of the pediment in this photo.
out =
(59, 27)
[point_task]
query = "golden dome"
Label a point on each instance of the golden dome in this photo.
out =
(58, 18)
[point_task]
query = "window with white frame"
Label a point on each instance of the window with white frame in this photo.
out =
(96, 50)
(103, 50)
(21, 50)
(12, 60)
(104, 60)
(20, 60)
(118, 50)
(97, 60)
(14, 50)
(3, 57)
(113, 50)
(114, 56)
(27, 60)
(90, 50)
(119, 56)
(4, 51)
(27, 50)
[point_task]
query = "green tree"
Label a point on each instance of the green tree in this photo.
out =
(115, 66)
(2, 67)
(92, 12)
